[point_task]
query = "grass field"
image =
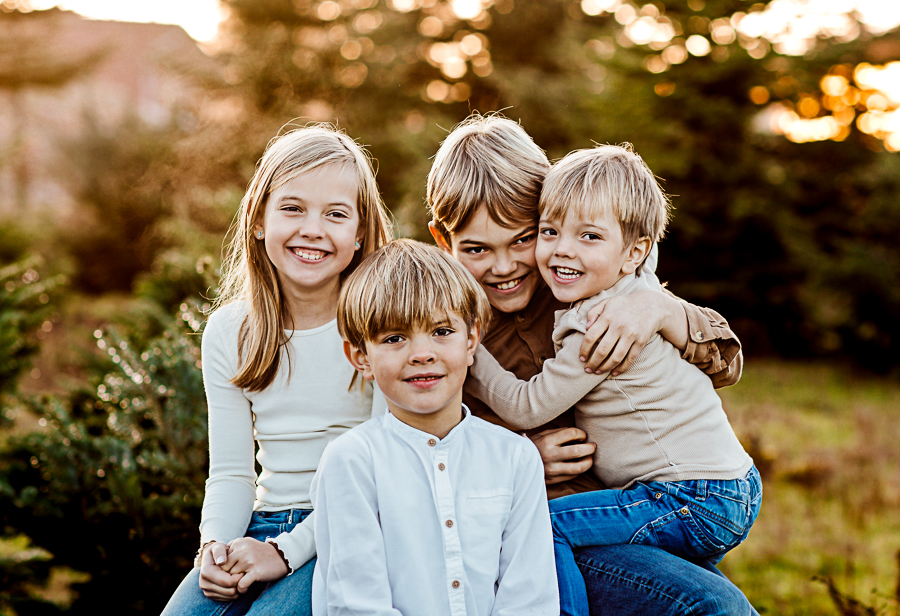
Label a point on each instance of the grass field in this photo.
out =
(827, 443)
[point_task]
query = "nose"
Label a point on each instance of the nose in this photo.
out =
(421, 350)
(564, 247)
(311, 229)
(504, 264)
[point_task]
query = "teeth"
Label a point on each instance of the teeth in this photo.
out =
(311, 256)
(509, 284)
(565, 272)
(423, 378)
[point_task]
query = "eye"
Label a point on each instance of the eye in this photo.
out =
(592, 237)
(443, 332)
(524, 239)
(340, 214)
(475, 250)
(392, 339)
(289, 207)
(548, 232)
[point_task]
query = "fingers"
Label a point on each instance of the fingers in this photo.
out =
(219, 552)
(557, 472)
(216, 583)
(633, 352)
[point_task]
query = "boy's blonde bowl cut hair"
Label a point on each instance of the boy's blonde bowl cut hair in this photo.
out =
(408, 284)
(585, 183)
(486, 160)
(247, 272)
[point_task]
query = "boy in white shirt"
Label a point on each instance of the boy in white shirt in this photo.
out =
(427, 509)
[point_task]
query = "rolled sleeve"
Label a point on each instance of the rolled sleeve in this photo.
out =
(712, 346)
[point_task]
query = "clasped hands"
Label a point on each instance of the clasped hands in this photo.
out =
(228, 570)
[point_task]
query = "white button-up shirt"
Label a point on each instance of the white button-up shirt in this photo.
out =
(411, 524)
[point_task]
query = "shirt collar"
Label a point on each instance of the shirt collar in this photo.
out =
(417, 437)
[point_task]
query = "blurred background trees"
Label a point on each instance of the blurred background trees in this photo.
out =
(777, 136)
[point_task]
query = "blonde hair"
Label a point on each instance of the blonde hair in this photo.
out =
(585, 183)
(490, 161)
(248, 273)
(404, 285)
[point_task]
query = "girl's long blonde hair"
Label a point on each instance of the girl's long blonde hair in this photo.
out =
(247, 272)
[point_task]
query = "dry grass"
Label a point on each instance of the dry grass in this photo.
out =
(827, 443)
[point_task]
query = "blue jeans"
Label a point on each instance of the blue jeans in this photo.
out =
(699, 520)
(640, 580)
(291, 595)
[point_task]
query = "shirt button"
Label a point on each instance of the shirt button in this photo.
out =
(684, 511)
(541, 360)
(449, 523)
(455, 584)
(441, 466)
(520, 318)
(699, 335)
(432, 442)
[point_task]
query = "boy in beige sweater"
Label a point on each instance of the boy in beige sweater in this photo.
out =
(677, 477)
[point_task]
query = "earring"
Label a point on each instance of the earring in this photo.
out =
(259, 235)
(358, 246)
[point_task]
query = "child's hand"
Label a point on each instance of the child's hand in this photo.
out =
(619, 327)
(256, 561)
(564, 456)
(216, 583)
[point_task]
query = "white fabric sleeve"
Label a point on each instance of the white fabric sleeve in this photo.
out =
(527, 580)
(528, 404)
(231, 487)
(351, 553)
(298, 545)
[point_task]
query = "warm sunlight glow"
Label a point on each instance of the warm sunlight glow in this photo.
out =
(200, 18)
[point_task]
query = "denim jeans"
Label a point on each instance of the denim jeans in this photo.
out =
(640, 580)
(290, 595)
(699, 520)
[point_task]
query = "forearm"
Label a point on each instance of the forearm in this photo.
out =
(299, 545)
(712, 346)
(529, 404)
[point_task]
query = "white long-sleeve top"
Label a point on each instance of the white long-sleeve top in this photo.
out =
(661, 420)
(308, 405)
(411, 524)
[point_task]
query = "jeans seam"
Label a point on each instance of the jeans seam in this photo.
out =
(640, 583)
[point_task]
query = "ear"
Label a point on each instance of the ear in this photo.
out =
(439, 238)
(359, 359)
(258, 231)
(473, 342)
(636, 255)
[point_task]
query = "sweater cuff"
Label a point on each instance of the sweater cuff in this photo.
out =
(298, 546)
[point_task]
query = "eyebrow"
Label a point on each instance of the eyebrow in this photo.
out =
(290, 197)
(517, 236)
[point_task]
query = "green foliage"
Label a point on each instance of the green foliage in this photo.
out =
(114, 484)
(24, 308)
(122, 182)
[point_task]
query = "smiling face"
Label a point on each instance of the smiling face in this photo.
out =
(580, 258)
(421, 371)
(310, 228)
(500, 259)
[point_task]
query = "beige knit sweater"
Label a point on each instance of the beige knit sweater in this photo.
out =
(659, 421)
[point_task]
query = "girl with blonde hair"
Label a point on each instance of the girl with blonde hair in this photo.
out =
(275, 373)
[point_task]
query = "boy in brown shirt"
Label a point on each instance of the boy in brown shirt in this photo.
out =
(483, 192)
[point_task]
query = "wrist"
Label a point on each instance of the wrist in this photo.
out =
(271, 541)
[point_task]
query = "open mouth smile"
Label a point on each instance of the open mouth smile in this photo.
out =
(566, 274)
(309, 254)
(507, 285)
